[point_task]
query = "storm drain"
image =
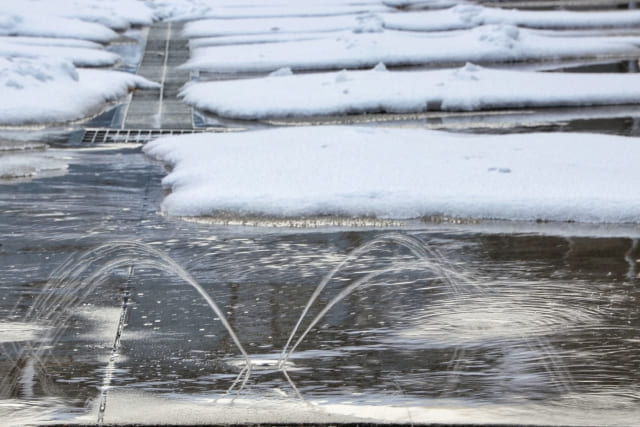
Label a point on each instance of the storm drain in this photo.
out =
(101, 136)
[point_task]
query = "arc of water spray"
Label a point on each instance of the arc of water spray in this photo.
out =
(411, 243)
(426, 258)
(414, 245)
(146, 257)
(115, 351)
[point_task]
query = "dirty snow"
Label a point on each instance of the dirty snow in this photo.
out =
(402, 173)
(394, 48)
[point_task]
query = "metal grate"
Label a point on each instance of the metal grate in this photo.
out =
(100, 136)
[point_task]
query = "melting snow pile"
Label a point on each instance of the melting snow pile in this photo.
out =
(402, 173)
(469, 16)
(42, 42)
(468, 88)
(114, 14)
(366, 49)
(280, 25)
(44, 90)
(232, 9)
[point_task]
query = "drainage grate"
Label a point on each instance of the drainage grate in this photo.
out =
(98, 136)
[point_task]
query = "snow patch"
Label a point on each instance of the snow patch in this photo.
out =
(466, 16)
(402, 173)
(468, 88)
(492, 43)
(39, 90)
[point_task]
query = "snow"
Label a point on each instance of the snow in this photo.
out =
(115, 14)
(78, 55)
(232, 27)
(350, 50)
(402, 173)
(42, 42)
(179, 9)
(254, 38)
(228, 9)
(459, 17)
(467, 88)
(53, 26)
(469, 16)
(39, 90)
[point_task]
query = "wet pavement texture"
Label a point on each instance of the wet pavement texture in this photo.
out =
(542, 317)
(531, 318)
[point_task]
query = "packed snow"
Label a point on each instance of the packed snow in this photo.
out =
(489, 43)
(468, 88)
(402, 173)
(37, 90)
(469, 16)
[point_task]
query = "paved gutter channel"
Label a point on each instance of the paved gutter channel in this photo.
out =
(165, 51)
